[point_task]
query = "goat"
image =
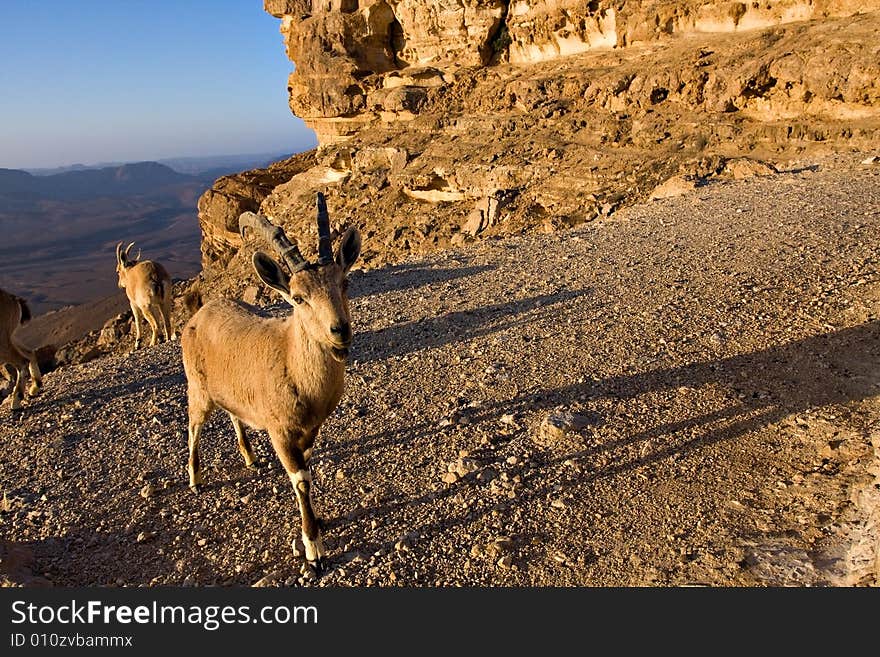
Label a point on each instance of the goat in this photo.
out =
(148, 288)
(14, 312)
(282, 375)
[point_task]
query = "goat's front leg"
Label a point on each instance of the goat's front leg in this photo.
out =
(18, 387)
(292, 458)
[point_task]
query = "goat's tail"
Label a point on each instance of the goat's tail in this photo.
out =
(25, 310)
(192, 299)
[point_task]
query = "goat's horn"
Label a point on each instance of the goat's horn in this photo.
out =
(325, 250)
(119, 252)
(127, 249)
(275, 236)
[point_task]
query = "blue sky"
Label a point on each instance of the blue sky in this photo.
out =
(126, 80)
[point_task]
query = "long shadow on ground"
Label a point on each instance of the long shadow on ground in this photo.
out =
(830, 369)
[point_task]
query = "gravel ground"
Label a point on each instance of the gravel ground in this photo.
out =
(682, 394)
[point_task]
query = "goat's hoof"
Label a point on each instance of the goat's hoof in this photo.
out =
(196, 488)
(253, 465)
(34, 391)
(319, 566)
(307, 570)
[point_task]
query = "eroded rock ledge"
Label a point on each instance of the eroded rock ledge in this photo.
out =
(445, 122)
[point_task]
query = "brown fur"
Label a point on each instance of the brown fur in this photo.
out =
(15, 357)
(148, 288)
(281, 375)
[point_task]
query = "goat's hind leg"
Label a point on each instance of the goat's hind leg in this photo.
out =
(136, 314)
(166, 320)
(36, 376)
(150, 316)
(244, 445)
(198, 415)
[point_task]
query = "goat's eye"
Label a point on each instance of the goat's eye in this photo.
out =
(344, 285)
(297, 299)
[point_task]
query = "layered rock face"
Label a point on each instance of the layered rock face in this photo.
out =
(445, 121)
(360, 62)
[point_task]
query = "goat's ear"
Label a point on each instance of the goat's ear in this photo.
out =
(349, 249)
(271, 273)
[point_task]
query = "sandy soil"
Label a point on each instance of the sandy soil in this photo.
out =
(684, 393)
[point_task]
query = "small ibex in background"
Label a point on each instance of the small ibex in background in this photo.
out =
(14, 357)
(148, 288)
(281, 375)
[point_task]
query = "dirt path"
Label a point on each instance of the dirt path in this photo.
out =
(716, 358)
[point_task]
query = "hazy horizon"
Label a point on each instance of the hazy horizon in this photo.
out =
(164, 160)
(101, 82)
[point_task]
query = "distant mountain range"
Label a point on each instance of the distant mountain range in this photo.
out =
(216, 165)
(60, 228)
(124, 180)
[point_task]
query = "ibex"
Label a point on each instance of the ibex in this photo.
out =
(148, 288)
(282, 375)
(14, 312)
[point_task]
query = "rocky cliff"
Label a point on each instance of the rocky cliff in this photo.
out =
(448, 121)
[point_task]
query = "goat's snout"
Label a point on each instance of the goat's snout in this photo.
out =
(342, 332)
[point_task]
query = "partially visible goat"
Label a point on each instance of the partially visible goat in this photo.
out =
(14, 312)
(148, 288)
(282, 375)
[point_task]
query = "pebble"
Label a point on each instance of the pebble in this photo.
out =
(556, 426)
(268, 580)
(464, 466)
(143, 537)
(499, 546)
